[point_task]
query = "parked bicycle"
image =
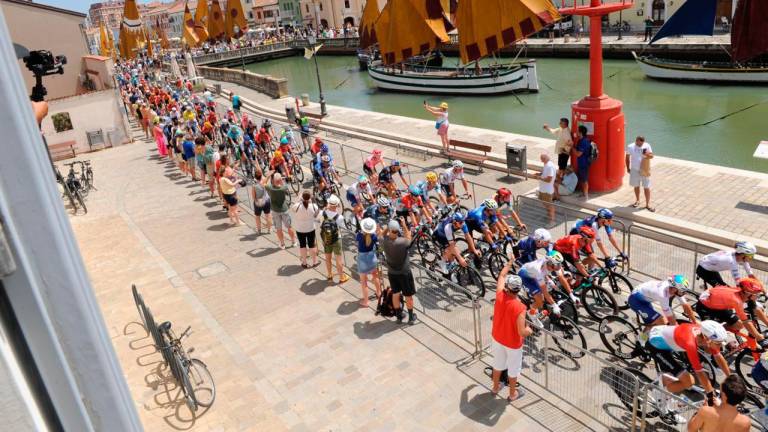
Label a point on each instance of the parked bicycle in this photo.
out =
(70, 189)
(191, 373)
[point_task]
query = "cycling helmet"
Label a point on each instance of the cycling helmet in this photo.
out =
(395, 163)
(383, 201)
(362, 179)
(513, 283)
(555, 258)
(587, 232)
(431, 177)
(333, 200)
(491, 204)
(421, 184)
(745, 248)
(504, 194)
(457, 217)
(457, 164)
(278, 154)
(377, 152)
(284, 140)
(414, 190)
(604, 213)
(714, 331)
(542, 235)
(262, 130)
(224, 121)
(750, 285)
(325, 158)
(679, 281)
(324, 148)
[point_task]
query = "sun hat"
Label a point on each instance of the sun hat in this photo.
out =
(444, 105)
(368, 225)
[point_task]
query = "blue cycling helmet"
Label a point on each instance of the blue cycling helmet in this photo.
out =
(604, 213)
(414, 190)
(395, 162)
(421, 184)
(284, 140)
(457, 217)
(324, 148)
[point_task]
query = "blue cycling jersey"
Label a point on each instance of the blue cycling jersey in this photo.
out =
(445, 229)
(318, 162)
(592, 222)
(479, 216)
(527, 249)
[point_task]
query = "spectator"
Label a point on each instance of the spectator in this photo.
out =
(304, 213)
(583, 153)
(228, 183)
(563, 144)
(261, 203)
(367, 261)
(547, 186)
(648, 29)
(157, 131)
(331, 223)
(199, 158)
(396, 244)
(188, 147)
(638, 161)
(441, 124)
(236, 105)
(508, 333)
(567, 185)
(290, 110)
(726, 416)
(278, 197)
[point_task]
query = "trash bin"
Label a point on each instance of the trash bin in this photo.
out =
(304, 99)
(517, 159)
(217, 88)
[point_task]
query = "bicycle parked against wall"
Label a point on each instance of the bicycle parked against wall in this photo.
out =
(69, 188)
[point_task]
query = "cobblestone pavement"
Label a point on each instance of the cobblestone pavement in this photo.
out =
(287, 350)
(688, 194)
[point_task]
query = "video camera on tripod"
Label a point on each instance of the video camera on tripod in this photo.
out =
(43, 63)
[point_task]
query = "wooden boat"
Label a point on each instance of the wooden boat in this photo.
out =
(749, 41)
(406, 27)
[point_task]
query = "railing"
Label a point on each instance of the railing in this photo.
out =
(242, 52)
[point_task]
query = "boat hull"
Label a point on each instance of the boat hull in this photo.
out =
(701, 72)
(521, 77)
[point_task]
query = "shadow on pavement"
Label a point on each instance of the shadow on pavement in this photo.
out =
(262, 252)
(484, 408)
(289, 270)
(374, 330)
(348, 308)
(211, 204)
(249, 237)
(216, 215)
(314, 287)
(220, 227)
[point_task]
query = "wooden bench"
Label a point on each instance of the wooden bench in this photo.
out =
(467, 157)
(63, 150)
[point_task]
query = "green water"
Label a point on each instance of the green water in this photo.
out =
(664, 112)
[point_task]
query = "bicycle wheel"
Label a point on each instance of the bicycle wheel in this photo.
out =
(598, 302)
(422, 242)
(89, 178)
(621, 288)
(469, 278)
(429, 252)
(298, 172)
(568, 334)
(743, 364)
(295, 184)
(619, 336)
(201, 381)
(496, 263)
(80, 201)
(350, 220)
(567, 307)
(184, 381)
(85, 187)
(70, 197)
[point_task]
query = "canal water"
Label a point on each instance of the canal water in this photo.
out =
(695, 122)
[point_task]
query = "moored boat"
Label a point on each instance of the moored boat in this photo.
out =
(721, 72)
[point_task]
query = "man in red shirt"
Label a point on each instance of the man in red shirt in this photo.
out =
(509, 331)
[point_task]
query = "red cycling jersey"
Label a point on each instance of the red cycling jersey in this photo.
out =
(680, 338)
(569, 245)
(724, 298)
(409, 201)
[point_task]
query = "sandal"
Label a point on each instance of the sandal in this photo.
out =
(520, 394)
(650, 209)
(635, 204)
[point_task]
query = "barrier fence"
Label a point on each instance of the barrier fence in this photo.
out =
(604, 393)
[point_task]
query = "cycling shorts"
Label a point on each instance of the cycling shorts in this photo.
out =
(446, 188)
(666, 360)
(531, 284)
(638, 303)
(727, 317)
(353, 201)
(367, 170)
(440, 240)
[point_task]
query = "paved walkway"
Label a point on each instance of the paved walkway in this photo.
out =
(706, 200)
(288, 351)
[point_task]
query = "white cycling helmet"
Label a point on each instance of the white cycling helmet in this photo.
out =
(555, 258)
(745, 248)
(542, 235)
(491, 204)
(457, 164)
(334, 200)
(714, 331)
(383, 201)
(513, 283)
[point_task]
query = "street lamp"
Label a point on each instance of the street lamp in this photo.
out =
(621, 23)
(323, 111)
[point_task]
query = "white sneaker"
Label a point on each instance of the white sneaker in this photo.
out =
(443, 266)
(536, 321)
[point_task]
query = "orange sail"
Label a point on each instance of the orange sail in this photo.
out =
(130, 30)
(201, 20)
(482, 34)
(216, 21)
(422, 35)
(190, 37)
(367, 21)
(235, 17)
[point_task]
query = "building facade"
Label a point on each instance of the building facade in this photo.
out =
(109, 13)
(266, 13)
(290, 13)
(659, 11)
(332, 13)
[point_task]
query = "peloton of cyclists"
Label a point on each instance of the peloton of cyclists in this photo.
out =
(537, 276)
(445, 236)
(662, 292)
(603, 219)
(727, 305)
(360, 195)
(573, 246)
(711, 265)
(449, 177)
(386, 177)
(525, 249)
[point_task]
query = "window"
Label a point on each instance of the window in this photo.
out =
(346, 4)
(250, 15)
(658, 10)
(321, 7)
(306, 6)
(258, 15)
(267, 14)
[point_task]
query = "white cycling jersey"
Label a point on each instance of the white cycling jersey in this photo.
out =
(356, 190)
(535, 270)
(658, 292)
(724, 260)
(449, 176)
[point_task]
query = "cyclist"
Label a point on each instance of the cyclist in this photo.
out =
(449, 177)
(324, 151)
(277, 164)
(525, 250)
(381, 212)
(326, 174)
(358, 194)
(235, 140)
(603, 219)
(665, 340)
(410, 204)
(537, 277)
(728, 304)
(662, 292)
(482, 217)
(444, 236)
(304, 127)
(503, 197)
(286, 149)
(387, 177)
(315, 148)
(371, 162)
(431, 184)
(263, 139)
(711, 265)
(573, 246)
(267, 126)
(425, 188)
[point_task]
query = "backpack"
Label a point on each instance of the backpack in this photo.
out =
(329, 230)
(386, 306)
(208, 155)
(593, 152)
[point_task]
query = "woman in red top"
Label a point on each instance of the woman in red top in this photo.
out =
(509, 331)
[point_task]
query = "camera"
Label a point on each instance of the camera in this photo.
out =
(42, 62)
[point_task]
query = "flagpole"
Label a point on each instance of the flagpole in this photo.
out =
(323, 111)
